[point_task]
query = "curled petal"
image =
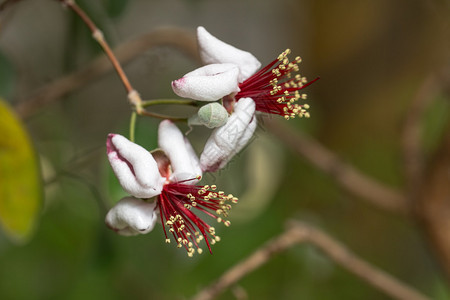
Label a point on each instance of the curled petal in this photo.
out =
(132, 216)
(184, 161)
(135, 167)
(213, 50)
(208, 83)
(228, 140)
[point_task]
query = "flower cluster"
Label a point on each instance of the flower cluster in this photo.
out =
(170, 175)
(163, 184)
(234, 76)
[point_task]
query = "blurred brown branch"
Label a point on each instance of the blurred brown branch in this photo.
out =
(299, 232)
(179, 38)
(433, 207)
(428, 181)
(413, 156)
(346, 175)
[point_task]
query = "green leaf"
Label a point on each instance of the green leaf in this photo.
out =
(20, 184)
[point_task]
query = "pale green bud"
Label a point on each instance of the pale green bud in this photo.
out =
(211, 115)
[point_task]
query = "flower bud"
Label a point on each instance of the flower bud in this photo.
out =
(211, 115)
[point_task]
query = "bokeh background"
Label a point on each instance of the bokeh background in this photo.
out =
(372, 56)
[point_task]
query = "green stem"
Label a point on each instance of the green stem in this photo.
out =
(159, 116)
(132, 125)
(169, 101)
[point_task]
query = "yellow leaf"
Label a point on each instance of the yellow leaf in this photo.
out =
(20, 184)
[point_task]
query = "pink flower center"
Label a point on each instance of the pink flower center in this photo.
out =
(176, 203)
(275, 89)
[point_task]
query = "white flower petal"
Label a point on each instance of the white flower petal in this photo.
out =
(208, 83)
(182, 157)
(134, 166)
(246, 136)
(213, 50)
(195, 162)
(132, 216)
(228, 140)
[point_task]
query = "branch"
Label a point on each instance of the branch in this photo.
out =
(176, 37)
(433, 207)
(297, 233)
(413, 156)
(346, 175)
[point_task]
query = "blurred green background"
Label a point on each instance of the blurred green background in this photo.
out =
(371, 56)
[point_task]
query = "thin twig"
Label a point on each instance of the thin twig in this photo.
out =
(162, 117)
(299, 232)
(97, 34)
(346, 175)
(177, 37)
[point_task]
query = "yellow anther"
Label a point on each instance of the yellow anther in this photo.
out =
(168, 241)
(200, 250)
(227, 223)
(217, 238)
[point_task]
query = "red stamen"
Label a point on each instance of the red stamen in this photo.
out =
(175, 206)
(275, 90)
